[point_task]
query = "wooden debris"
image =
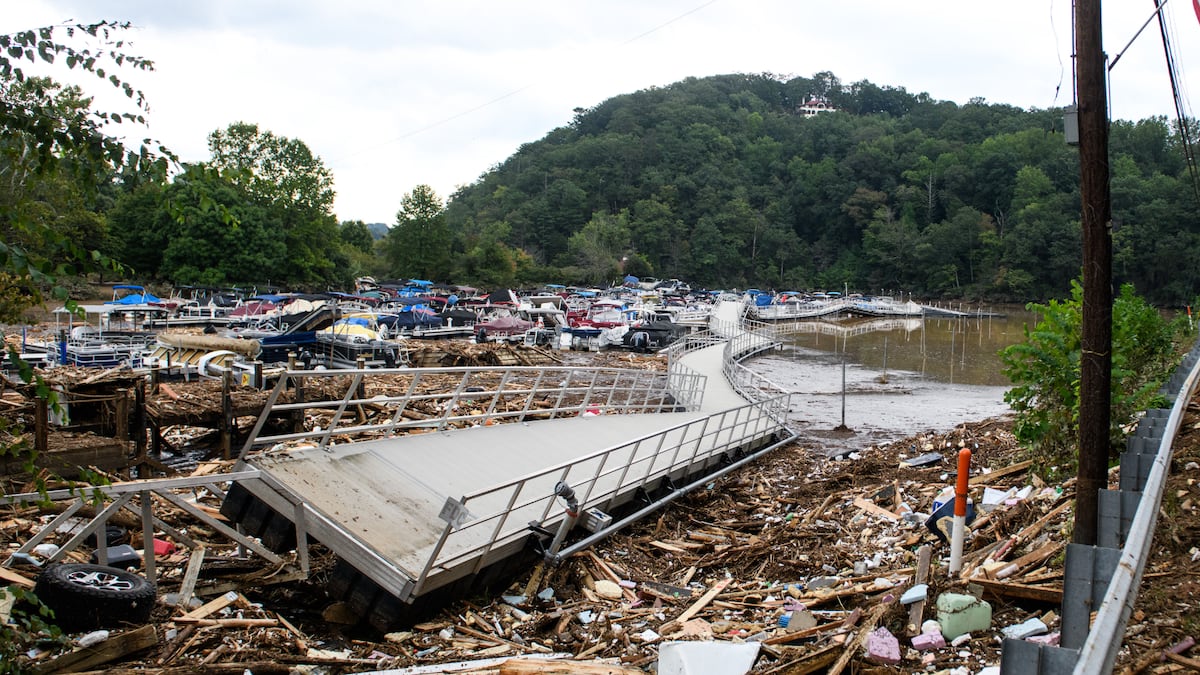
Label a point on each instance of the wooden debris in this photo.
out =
(562, 667)
(10, 577)
(917, 611)
(107, 651)
(871, 507)
(703, 601)
(212, 606)
(1015, 591)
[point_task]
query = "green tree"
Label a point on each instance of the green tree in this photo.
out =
(419, 244)
(1044, 370)
(890, 244)
(218, 234)
(280, 170)
(596, 249)
(285, 176)
(354, 233)
(52, 136)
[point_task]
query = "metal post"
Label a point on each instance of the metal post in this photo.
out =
(843, 389)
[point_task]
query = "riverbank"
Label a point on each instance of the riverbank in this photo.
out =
(878, 407)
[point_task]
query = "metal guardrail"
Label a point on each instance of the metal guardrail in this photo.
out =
(479, 396)
(1105, 578)
(1099, 651)
(601, 478)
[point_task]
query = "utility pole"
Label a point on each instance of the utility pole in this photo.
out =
(1096, 218)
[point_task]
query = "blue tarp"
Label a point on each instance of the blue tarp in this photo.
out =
(139, 298)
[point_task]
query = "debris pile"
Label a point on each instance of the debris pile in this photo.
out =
(797, 563)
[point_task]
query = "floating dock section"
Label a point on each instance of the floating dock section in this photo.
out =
(522, 460)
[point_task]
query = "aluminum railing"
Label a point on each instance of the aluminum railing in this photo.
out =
(401, 399)
(756, 337)
(139, 498)
(601, 480)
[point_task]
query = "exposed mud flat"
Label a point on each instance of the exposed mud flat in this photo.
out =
(879, 407)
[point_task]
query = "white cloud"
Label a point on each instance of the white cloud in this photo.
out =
(395, 94)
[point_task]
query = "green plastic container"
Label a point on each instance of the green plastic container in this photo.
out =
(961, 614)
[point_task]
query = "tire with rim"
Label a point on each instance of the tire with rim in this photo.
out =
(86, 597)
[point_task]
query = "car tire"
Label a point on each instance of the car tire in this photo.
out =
(85, 597)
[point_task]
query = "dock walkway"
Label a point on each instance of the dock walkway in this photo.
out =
(417, 512)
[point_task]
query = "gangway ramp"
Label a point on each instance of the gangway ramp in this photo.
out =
(416, 513)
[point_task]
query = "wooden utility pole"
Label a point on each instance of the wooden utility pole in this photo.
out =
(1096, 360)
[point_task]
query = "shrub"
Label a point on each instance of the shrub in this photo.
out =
(1045, 370)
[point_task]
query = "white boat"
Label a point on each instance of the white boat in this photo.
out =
(107, 336)
(355, 340)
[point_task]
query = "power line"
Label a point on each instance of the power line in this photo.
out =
(1189, 154)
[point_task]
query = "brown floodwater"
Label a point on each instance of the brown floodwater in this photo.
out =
(885, 379)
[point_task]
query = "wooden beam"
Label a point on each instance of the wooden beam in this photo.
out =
(917, 611)
(115, 647)
(211, 606)
(563, 667)
(12, 577)
(1009, 590)
(991, 477)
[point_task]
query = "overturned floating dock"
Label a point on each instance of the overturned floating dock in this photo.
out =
(414, 506)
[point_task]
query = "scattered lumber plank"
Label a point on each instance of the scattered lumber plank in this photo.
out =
(109, 650)
(984, 478)
(1012, 590)
(917, 611)
(11, 577)
(563, 667)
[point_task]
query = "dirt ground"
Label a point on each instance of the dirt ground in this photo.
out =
(830, 544)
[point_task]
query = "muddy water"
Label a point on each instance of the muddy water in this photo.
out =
(901, 376)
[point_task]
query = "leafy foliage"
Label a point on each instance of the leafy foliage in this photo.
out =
(1045, 369)
(53, 140)
(31, 624)
(274, 168)
(419, 245)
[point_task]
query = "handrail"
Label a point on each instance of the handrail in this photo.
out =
(676, 450)
(477, 396)
(117, 497)
(601, 477)
(1099, 651)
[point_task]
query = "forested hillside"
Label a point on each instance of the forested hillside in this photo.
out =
(723, 182)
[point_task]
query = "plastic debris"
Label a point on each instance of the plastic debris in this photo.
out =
(961, 614)
(883, 647)
(1025, 629)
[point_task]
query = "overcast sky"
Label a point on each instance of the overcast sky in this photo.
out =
(396, 93)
